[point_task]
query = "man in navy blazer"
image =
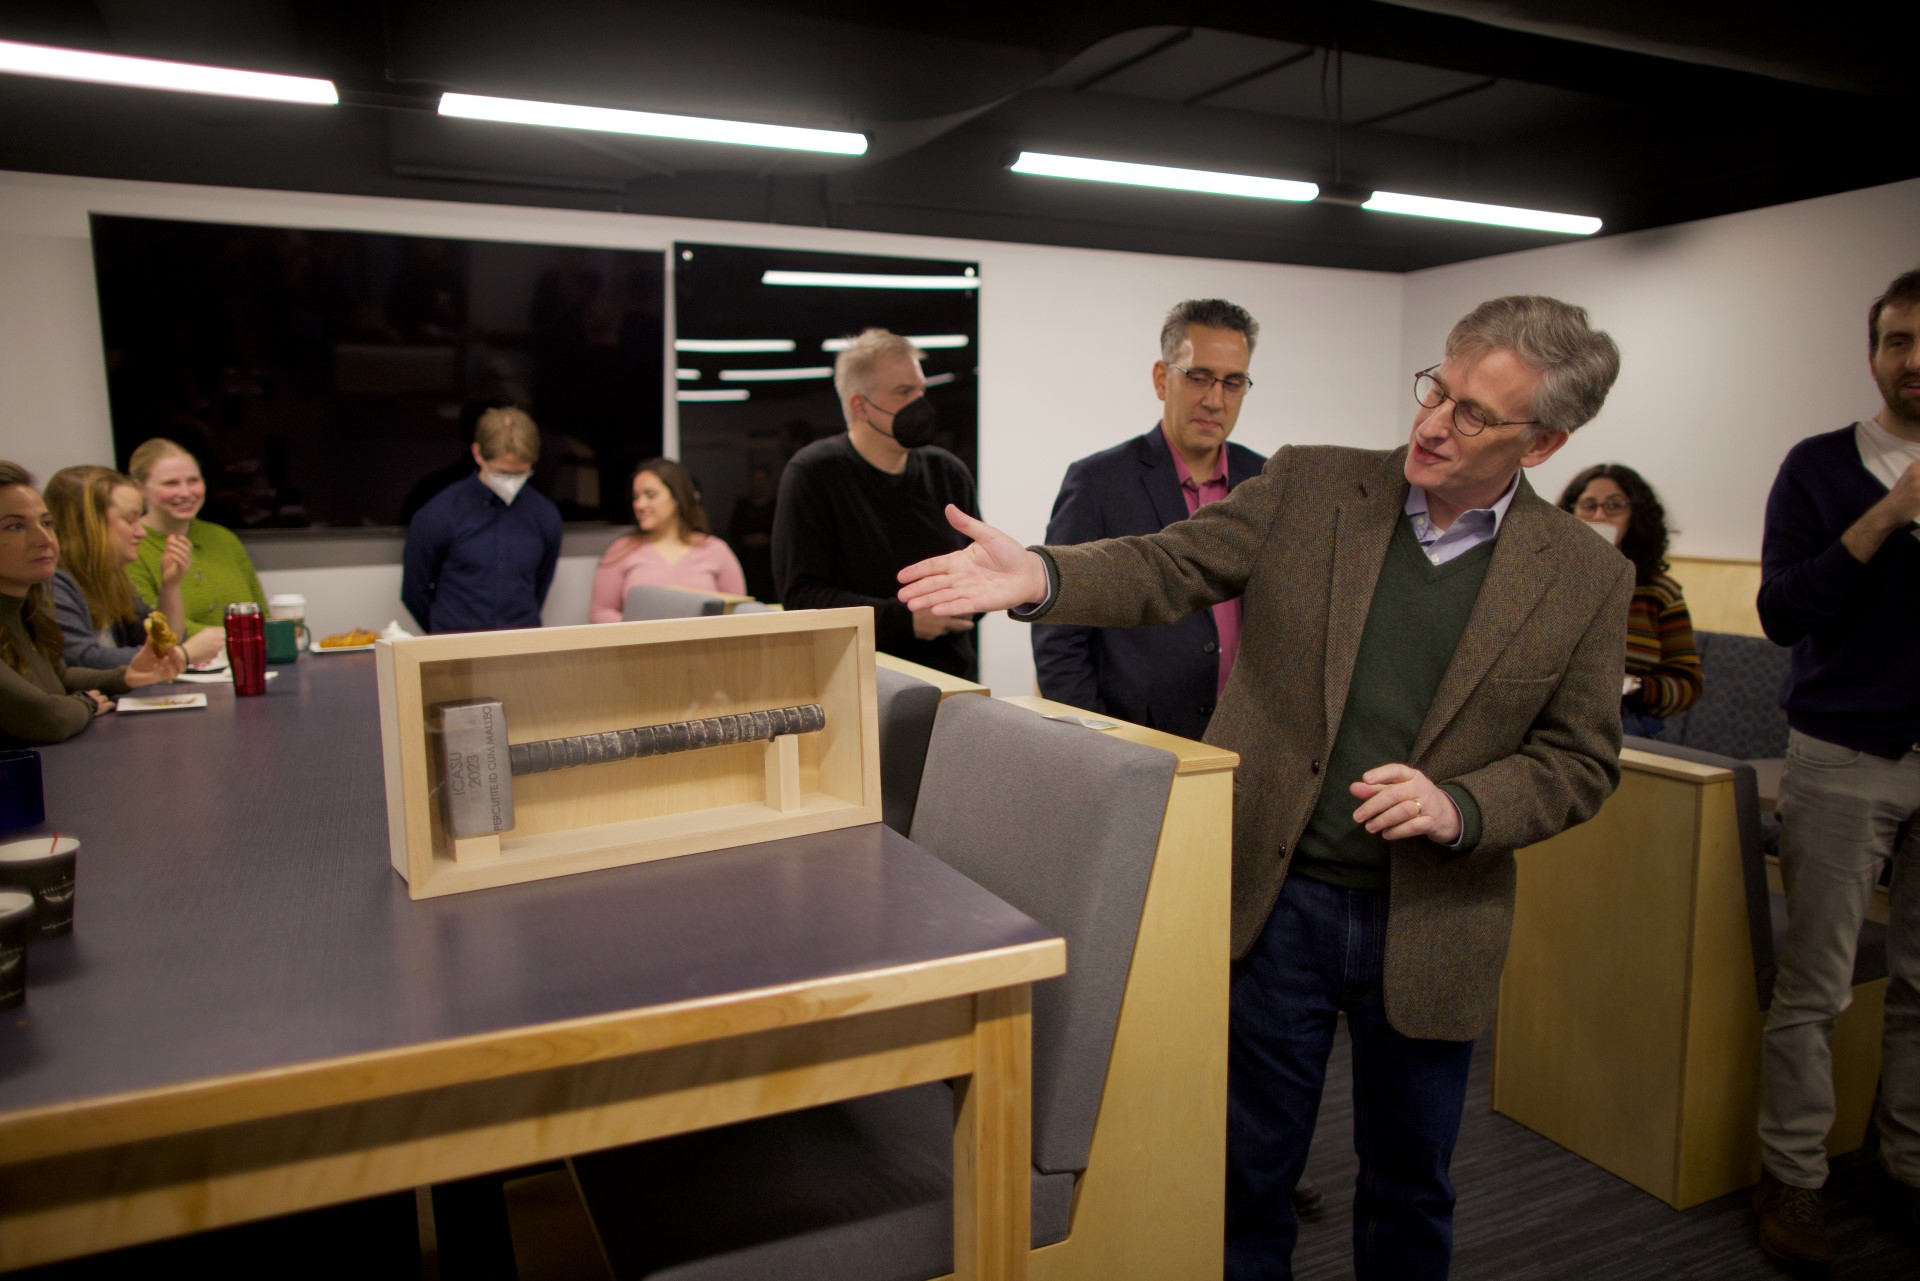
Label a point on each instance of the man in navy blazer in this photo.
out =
(1166, 677)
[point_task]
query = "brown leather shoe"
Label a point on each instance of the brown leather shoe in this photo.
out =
(1793, 1225)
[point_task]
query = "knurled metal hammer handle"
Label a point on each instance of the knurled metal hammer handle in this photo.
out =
(480, 764)
(659, 740)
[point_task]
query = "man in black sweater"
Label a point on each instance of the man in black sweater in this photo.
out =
(856, 507)
(1840, 582)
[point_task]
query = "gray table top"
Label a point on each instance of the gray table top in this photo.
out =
(237, 911)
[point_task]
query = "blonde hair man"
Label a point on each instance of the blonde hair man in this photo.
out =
(480, 556)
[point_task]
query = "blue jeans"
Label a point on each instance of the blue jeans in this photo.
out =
(1320, 953)
(1641, 725)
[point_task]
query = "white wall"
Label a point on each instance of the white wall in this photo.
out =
(1067, 340)
(1738, 336)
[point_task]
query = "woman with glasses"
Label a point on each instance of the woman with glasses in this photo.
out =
(1663, 668)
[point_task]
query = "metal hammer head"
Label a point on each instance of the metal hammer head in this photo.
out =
(477, 787)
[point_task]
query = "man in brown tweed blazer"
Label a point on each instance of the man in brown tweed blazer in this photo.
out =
(1429, 679)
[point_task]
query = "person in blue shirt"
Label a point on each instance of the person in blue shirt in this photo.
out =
(480, 555)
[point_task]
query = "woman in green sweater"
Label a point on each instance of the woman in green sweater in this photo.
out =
(219, 571)
(42, 700)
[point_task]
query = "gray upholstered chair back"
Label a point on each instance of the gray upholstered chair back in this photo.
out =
(1739, 709)
(907, 707)
(644, 603)
(751, 607)
(1062, 822)
(1766, 911)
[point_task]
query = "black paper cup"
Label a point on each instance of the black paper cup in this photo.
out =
(22, 804)
(16, 923)
(45, 869)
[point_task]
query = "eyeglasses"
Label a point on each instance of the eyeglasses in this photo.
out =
(1468, 418)
(1202, 381)
(1612, 506)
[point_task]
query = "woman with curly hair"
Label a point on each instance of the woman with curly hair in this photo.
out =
(1663, 667)
(42, 700)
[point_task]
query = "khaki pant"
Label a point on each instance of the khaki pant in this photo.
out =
(1843, 815)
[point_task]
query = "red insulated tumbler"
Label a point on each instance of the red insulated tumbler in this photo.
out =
(247, 648)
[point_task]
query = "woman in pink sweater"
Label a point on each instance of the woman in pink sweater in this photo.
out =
(671, 546)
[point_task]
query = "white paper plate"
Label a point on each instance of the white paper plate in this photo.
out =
(317, 648)
(160, 702)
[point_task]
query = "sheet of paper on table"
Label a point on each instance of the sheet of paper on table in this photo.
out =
(216, 678)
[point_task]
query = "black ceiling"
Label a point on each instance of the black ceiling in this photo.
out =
(1642, 112)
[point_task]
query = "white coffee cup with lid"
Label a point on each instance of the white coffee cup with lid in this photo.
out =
(291, 605)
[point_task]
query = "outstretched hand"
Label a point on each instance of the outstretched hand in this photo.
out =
(993, 572)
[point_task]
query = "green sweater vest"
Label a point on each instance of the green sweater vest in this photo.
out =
(1414, 624)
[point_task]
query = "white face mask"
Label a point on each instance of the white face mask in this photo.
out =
(1606, 529)
(506, 485)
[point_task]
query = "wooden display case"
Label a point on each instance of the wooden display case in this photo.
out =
(557, 682)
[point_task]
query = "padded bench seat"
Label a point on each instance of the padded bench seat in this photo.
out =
(860, 1189)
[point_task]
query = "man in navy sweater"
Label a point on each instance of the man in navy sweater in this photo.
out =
(1170, 677)
(1840, 583)
(480, 555)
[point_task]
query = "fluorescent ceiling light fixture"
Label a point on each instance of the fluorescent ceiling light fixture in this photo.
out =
(925, 342)
(650, 124)
(775, 375)
(1204, 180)
(730, 345)
(1492, 215)
(940, 380)
(687, 375)
(149, 73)
(868, 280)
(731, 393)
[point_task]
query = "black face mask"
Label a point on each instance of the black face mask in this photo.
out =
(913, 423)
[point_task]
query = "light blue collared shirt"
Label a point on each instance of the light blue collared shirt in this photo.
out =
(1469, 529)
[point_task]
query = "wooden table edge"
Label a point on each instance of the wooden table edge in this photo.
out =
(62, 1128)
(1672, 766)
(1194, 756)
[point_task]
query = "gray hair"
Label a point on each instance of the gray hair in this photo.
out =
(1214, 313)
(1577, 363)
(852, 366)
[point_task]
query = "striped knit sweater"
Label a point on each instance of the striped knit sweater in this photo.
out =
(1660, 649)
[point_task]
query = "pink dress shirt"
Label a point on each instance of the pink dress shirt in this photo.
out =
(1226, 615)
(708, 566)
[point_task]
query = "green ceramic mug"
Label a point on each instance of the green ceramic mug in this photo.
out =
(283, 639)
